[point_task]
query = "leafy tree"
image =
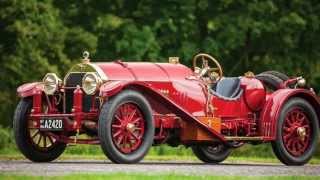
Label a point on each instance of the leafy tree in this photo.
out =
(33, 42)
(41, 36)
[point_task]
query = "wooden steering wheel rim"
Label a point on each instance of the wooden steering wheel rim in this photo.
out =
(207, 56)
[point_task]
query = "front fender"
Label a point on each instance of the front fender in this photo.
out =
(113, 87)
(29, 89)
(272, 109)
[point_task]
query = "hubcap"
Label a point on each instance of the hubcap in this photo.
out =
(296, 132)
(301, 131)
(128, 128)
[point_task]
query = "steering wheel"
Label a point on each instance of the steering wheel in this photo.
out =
(205, 68)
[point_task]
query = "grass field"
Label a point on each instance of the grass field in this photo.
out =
(159, 153)
(258, 153)
(151, 177)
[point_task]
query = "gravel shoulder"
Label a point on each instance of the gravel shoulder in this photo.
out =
(151, 167)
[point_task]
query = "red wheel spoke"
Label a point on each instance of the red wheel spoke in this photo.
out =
(126, 111)
(117, 133)
(119, 141)
(303, 120)
(286, 130)
(118, 118)
(134, 136)
(287, 136)
(306, 126)
(125, 141)
(137, 128)
(289, 121)
(122, 113)
(296, 132)
(116, 126)
(132, 115)
(136, 120)
(127, 135)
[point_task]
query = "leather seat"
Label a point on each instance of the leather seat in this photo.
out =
(228, 87)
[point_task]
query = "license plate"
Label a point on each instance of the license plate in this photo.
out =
(51, 124)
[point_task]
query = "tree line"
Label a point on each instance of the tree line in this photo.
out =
(49, 35)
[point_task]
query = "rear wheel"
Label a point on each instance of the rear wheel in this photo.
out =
(297, 133)
(34, 144)
(126, 127)
(211, 153)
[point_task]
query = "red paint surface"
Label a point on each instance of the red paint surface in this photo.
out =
(177, 96)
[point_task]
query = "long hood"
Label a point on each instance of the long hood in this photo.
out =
(135, 71)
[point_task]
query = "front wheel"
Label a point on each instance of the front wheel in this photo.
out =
(211, 153)
(34, 144)
(297, 133)
(126, 127)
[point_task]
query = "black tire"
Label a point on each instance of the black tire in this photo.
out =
(271, 82)
(211, 154)
(105, 122)
(22, 137)
(278, 146)
(280, 75)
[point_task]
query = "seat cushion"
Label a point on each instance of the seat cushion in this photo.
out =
(228, 87)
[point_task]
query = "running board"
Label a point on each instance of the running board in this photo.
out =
(244, 138)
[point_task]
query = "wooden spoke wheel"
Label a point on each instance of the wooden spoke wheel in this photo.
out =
(126, 127)
(297, 132)
(35, 145)
(41, 140)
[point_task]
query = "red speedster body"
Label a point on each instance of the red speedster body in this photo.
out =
(185, 107)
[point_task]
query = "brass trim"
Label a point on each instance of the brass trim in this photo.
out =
(86, 67)
(174, 60)
(249, 74)
(203, 56)
(97, 80)
(57, 83)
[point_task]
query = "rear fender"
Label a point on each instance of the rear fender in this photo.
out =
(29, 89)
(272, 109)
(114, 87)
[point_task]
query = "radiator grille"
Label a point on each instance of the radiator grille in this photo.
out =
(71, 83)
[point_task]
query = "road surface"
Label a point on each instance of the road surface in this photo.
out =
(149, 167)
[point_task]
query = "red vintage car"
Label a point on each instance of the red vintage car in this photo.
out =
(127, 107)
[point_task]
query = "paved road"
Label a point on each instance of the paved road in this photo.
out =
(187, 168)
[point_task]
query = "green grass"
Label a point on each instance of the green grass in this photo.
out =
(122, 176)
(248, 153)
(258, 153)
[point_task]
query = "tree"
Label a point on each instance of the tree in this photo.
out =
(42, 36)
(33, 42)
